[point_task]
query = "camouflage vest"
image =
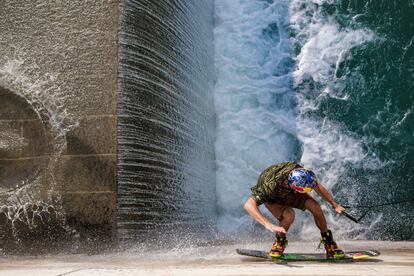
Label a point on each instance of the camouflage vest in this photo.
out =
(269, 187)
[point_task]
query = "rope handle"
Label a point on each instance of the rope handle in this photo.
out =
(352, 218)
(357, 220)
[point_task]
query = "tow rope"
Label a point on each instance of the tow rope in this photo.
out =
(370, 207)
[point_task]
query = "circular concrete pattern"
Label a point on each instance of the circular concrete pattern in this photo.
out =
(25, 144)
(27, 218)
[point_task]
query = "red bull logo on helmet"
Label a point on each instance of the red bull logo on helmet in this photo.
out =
(302, 180)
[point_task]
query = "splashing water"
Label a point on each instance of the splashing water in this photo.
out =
(42, 92)
(11, 140)
(31, 206)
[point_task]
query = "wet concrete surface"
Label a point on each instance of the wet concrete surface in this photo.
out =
(397, 258)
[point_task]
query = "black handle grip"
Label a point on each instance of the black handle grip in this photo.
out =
(351, 217)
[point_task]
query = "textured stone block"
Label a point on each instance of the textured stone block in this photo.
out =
(38, 138)
(11, 140)
(95, 135)
(17, 172)
(64, 54)
(14, 107)
(75, 40)
(90, 207)
(86, 173)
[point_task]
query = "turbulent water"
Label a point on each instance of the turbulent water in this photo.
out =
(335, 75)
(253, 100)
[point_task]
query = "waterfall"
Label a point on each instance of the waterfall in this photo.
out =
(166, 122)
(254, 101)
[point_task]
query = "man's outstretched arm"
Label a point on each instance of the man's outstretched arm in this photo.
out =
(323, 192)
(253, 210)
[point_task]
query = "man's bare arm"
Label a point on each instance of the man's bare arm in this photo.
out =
(323, 192)
(253, 210)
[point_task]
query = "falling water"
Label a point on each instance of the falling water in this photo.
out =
(253, 101)
(165, 119)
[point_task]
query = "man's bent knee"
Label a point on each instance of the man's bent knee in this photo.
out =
(288, 214)
(277, 210)
(313, 206)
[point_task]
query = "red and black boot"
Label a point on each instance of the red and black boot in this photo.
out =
(332, 250)
(278, 247)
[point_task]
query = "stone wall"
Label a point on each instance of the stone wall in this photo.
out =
(65, 111)
(58, 84)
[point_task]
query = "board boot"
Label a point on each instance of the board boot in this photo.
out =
(332, 249)
(278, 247)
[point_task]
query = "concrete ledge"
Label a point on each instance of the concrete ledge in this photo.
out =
(211, 260)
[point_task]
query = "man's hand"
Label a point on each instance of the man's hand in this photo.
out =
(253, 210)
(275, 229)
(339, 209)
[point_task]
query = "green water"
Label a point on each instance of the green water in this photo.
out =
(378, 77)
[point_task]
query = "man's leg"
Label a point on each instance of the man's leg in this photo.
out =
(332, 250)
(313, 206)
(286, 216)
(283, 213)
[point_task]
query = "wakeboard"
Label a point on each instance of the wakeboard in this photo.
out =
(350, 256)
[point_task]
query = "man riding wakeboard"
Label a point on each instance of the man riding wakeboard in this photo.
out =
(282, 187)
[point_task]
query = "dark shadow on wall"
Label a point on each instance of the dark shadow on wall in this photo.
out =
(77, 215)
(27, 221)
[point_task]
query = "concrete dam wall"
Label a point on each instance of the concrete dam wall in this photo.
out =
(107, 123)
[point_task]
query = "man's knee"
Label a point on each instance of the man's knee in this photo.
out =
(276, 210)
(288, 214)
(313, 206)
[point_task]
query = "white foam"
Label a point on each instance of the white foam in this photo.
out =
(324, 43)
(253, 100)
(324, 46)
(329, 148)
(256, 129)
